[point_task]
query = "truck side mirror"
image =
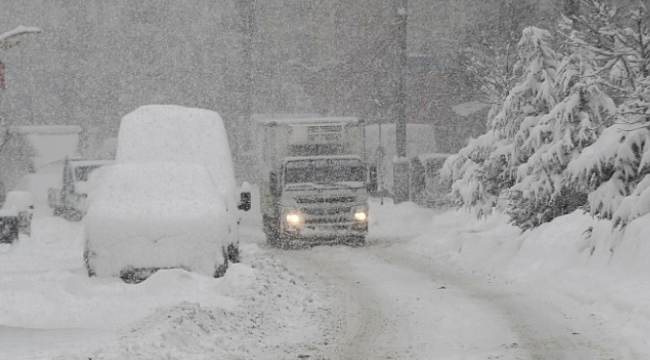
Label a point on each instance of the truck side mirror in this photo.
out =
(274, 184)
(244, 201)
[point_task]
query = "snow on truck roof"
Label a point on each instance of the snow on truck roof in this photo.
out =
(309, 121)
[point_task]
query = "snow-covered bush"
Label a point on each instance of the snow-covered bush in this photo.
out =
(476, 173)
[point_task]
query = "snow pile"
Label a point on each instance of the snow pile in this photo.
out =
(405, 220)
(265, 311)
(156, 215)
(258, 310)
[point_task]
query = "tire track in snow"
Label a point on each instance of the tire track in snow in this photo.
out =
(544, 331)
(383, 311)
(388, 303)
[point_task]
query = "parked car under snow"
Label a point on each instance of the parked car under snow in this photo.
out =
(154, 216)
(16, 215)
(169, 201)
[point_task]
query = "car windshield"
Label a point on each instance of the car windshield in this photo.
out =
(324, 171)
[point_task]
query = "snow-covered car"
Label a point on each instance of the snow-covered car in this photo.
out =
(170, 199)
(151, 216)
(16, 215)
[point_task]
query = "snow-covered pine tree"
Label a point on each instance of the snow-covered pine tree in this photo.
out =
(474, 170)
(617, 165)
(484, 169)
(544, 145)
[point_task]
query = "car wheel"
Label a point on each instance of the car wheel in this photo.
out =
(222, 268)
(233, 253)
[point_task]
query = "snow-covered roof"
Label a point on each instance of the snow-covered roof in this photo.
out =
(77, 163)
(309, 121)
(47, 129)
(428, 156)
(268, 116)
(20, 30)
(469, 108)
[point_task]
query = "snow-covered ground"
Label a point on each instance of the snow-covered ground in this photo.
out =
(429, 284)
(577, 264)
(51, 309)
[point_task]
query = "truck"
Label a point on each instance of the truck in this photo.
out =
(69, 201)
(313, 180)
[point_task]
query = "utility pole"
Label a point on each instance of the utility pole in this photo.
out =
(401, 166)
(244, 140)
(401, 11)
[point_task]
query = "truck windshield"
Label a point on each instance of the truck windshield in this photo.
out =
(324, 171)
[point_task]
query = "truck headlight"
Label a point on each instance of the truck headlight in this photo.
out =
(293, 219)
(360, 215)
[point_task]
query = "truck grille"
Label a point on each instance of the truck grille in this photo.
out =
(330, 200)
(326, 211)
(324, 129)
(327, 220)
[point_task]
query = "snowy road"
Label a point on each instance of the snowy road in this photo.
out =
(394, 305)
(385, 300)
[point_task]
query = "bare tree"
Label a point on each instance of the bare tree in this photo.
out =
(8, 155)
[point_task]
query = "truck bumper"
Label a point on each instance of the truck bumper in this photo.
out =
(329, 230)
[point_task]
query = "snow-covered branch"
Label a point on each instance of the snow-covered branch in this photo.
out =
(7, 39)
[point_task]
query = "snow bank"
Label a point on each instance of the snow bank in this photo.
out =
(153, 215)
(404, 220)
(574, 259)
